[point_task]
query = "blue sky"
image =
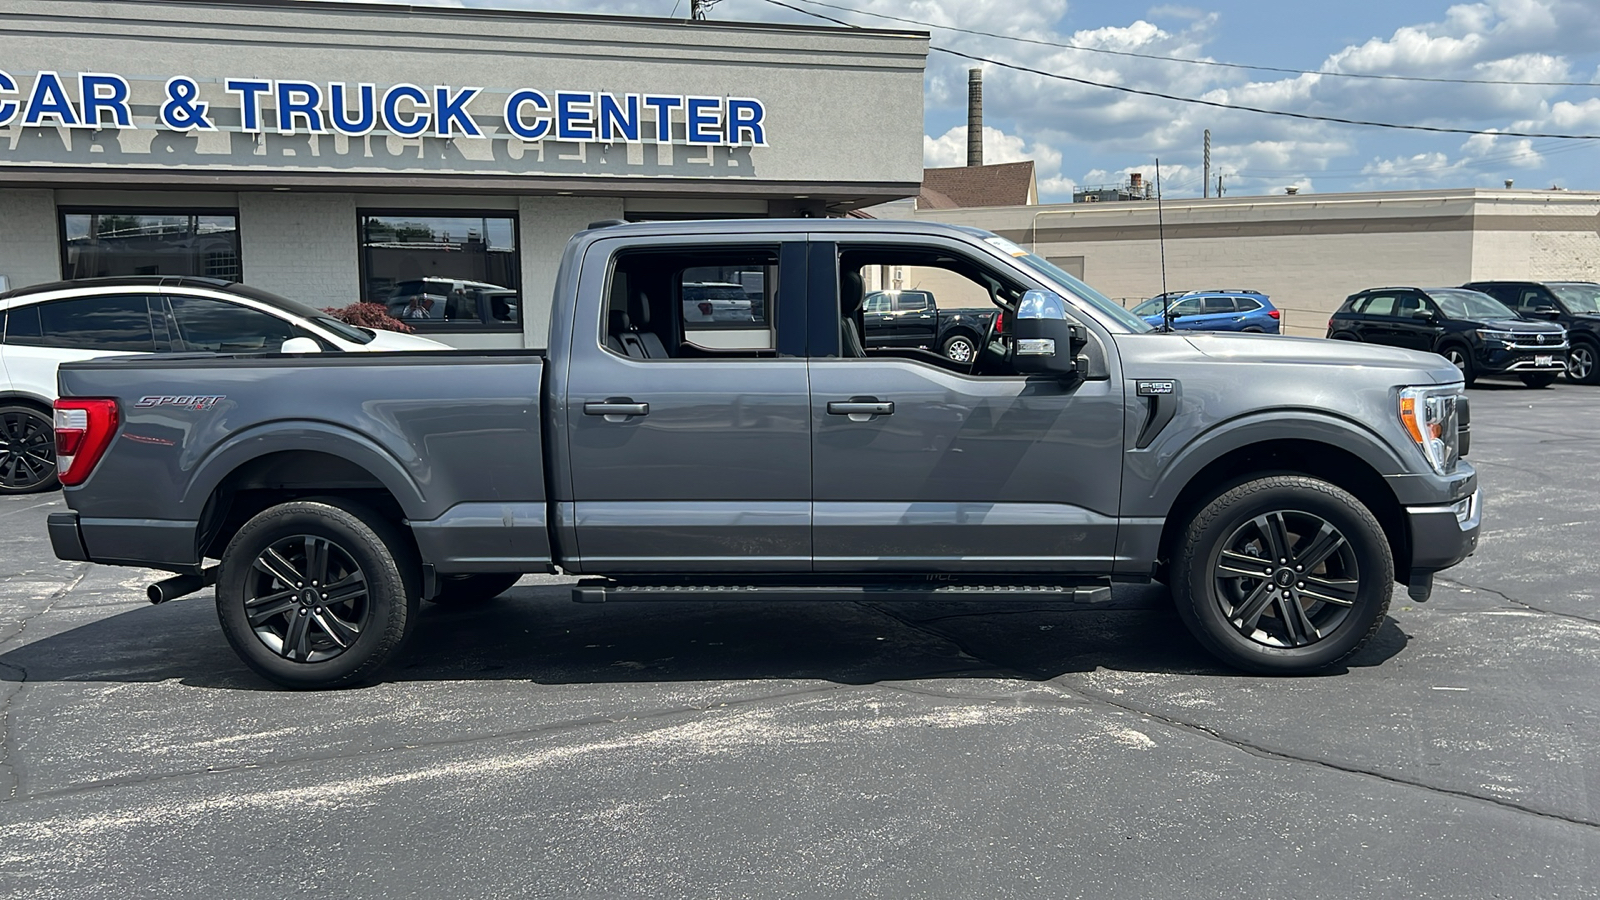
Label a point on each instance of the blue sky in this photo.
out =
(1083, 135)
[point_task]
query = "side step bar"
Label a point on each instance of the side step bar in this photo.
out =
(603, 591)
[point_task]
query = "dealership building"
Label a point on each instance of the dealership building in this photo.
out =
(433, 160)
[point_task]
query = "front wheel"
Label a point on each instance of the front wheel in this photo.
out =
(1538, 379)
(27, 450)
(1285, 575)
(312, 594)
(1461, 359)
(1581, 363)
(960, 348)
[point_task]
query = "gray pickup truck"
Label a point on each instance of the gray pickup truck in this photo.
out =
(1279, 486)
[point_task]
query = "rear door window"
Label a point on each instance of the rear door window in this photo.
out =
(218, 326)
(116, 322)
(1219, 304)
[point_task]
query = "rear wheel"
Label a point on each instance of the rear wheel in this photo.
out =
(1461, 358)
(461, 590)
(1581, 363)
(27, 450)
(316, 594)
(1539, 379)
(1284, 575)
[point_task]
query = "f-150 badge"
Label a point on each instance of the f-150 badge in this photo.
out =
(197, 404)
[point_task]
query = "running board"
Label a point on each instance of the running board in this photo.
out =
(603, 591)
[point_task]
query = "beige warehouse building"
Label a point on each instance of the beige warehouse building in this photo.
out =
(1308, 251)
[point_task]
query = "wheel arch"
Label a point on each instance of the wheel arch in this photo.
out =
(25, 398)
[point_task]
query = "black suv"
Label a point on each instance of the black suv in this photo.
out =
(1471, 329)
(1573, 304)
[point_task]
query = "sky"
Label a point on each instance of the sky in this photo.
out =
(1083, 135)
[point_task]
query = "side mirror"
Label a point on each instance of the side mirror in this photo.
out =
(1545, 312)
(1423, 315)
(1047, 341)
(300, 345)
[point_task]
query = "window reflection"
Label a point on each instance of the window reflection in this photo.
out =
(442, 271)
(171, 242)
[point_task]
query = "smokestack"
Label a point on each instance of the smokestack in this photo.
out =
(974, 117)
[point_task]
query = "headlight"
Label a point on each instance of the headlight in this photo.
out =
(1429, 415)
(1489, 334)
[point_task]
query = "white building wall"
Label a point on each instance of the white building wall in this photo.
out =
(300, 245)
(30, 244)
(1550, 236)
(547, 224)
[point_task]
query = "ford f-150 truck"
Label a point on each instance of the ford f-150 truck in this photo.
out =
(1279, 486)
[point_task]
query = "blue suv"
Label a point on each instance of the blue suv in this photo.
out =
(1220, 310)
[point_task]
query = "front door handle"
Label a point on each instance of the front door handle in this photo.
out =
(861, 409)
(616, 409)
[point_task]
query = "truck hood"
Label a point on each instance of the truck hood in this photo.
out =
(393, 340)
(1267, 348)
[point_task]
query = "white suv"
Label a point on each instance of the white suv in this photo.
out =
(48, 324)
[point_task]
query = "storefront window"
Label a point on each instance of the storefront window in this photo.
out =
(170, 242)
(443, 271)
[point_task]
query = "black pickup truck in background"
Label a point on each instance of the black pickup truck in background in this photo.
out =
(913, 319)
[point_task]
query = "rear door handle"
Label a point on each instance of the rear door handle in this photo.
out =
(616, 409)
(861, 409)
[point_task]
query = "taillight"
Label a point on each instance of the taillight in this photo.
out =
(1275, 313)
(84, 428)
(999, 322)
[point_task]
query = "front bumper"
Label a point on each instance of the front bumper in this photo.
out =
(1524, 358)
(1442, 536)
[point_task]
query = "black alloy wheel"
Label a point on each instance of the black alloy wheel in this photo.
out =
(1581, 363)
(1461, 358)
(1283, 575)
(27, 450)
(317, 593)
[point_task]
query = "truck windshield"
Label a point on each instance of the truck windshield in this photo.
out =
(1049, 271)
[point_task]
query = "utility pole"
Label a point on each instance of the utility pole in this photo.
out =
(1219, 186)
(1205, 181)
(698, 8)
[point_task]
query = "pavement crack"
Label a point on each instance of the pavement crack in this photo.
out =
(1522, 603)
(1274, 753)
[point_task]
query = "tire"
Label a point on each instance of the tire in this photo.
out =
(464, 590)
(27, 450)
(1217, 591)
(962, 348)
(1583, 363)
(1539, 379)
(1461, 358)
(358, 550)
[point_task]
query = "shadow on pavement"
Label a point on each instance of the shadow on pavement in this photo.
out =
(536, 634)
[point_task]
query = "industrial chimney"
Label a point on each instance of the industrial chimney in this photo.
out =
(974, 117)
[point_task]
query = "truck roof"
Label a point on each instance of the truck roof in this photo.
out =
(761, 226)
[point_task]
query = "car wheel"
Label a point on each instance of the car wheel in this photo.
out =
(1284, 575)
(27, 450)
(1581, 361)
(1461, 358)
(960, 348)
(316, 594)
(461, 590)
(1538, 379)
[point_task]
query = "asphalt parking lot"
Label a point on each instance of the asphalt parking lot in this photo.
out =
(535, 747)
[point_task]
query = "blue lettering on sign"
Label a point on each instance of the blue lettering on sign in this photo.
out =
(448, 112)
(8, 110)
(745, 120)
(574, 124)
(663, 105)
(366, 109)
(518, 125)
(704, 120)
(299, 100)
(395, 119)
(249, 91)
(183, 110)
(104, 93)
(619, 120)
(48, 99)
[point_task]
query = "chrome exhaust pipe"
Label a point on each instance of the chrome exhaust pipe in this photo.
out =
(180, 586)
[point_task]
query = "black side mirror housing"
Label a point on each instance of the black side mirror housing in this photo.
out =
(1545, 312)
(1423, 315)
(1047, 342)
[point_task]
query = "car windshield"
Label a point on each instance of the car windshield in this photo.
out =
(1459, 304)
(296, 308)
(1152, 307)
(1579, 298)
(1049, 271)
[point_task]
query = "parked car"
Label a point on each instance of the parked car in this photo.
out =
(45, 325)
(1575, 305)
(1280, 487)
(1471, 329)
(719, 302)
(424, 302)
(1220, 310)
(908, 318)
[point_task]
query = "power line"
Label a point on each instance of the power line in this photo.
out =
(1187, 60)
